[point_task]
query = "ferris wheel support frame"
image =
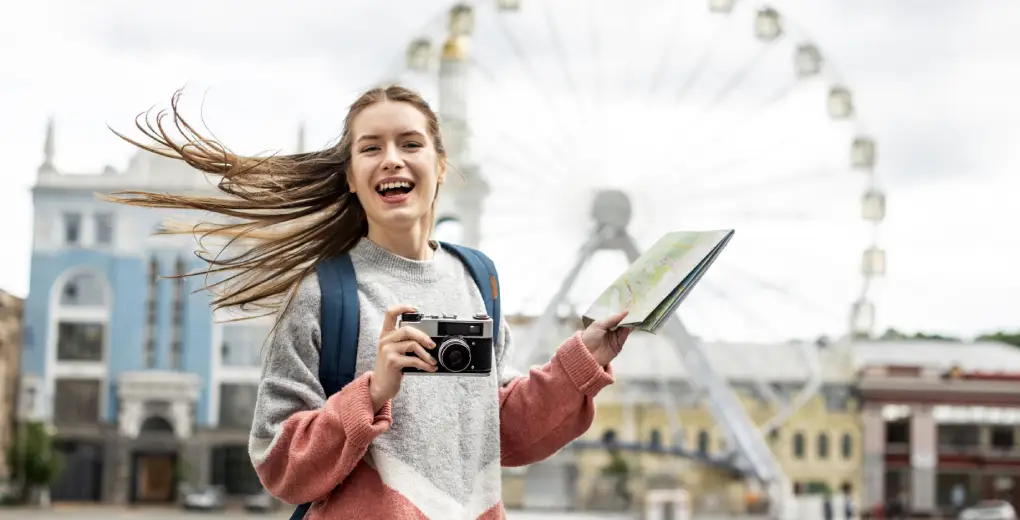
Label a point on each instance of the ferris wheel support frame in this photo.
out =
(612, 214)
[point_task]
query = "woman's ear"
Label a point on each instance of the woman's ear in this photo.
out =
(350, 185)
(441, 168)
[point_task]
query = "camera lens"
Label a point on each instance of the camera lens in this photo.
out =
(454, 355)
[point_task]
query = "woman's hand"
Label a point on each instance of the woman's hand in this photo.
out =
(603, 341)
(394, 344)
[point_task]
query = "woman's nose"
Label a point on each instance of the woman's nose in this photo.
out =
(392, 161)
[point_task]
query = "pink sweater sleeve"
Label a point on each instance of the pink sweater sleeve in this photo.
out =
(551, 406)
(316, 449)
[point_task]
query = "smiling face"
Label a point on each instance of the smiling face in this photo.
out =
(395, 169)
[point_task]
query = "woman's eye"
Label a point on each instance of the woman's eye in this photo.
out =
(369, 149)
(413, 145)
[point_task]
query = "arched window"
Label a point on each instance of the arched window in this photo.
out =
(798, 445)
(156, 424)
(703, 442)
(656, 440)
(847, 446)
(823, 446)
(609, 437)
(84, 289)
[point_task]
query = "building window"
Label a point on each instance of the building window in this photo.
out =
(76, 401)
(176, 347)
(1002, 438)
(237, 405)
(656, 440)
(104, 228)
(609, 438)
(232, 469)
(80, 341)
(83, 289)
(848, 446)
(837, 398)
(242, 344)
(150, 315)
(798, 445)
(823, 446)
(703, 442)
(72, 228)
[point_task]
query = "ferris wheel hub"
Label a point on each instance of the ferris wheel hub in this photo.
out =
(612, 209)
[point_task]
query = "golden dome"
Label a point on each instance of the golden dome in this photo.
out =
(455, 48)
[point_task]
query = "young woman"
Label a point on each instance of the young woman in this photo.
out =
(386, 446)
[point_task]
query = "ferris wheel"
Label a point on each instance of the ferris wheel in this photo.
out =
(723, 114)
(649, 116)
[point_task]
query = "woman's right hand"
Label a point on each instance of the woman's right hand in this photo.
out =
(394, 344)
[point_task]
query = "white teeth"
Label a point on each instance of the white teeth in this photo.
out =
(391, 185)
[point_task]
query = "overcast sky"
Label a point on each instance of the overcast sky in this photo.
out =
(935, 83)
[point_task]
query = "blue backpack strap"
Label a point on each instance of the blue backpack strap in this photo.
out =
(483, 270)
(338, 322)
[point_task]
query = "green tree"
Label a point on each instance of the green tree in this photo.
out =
(32, 459)
(1013, 338)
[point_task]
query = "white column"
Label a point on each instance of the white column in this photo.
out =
(873, 456)
(923, 459)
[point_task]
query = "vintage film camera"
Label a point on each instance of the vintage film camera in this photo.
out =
(463, 345)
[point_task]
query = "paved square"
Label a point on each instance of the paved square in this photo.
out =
(104, 513)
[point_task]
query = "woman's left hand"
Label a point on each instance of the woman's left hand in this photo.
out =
(603, 341)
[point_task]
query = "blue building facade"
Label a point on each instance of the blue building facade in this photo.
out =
(146, 392)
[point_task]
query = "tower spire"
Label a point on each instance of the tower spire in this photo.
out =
(48, 146)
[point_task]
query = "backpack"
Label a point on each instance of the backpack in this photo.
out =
(339, 318)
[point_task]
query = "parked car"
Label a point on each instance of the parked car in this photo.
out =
(261, 502)
(989, 510)
(209, 498)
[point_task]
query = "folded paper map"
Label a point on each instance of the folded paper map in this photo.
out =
(655, 284)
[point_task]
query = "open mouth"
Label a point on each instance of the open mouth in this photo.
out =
(394, 189)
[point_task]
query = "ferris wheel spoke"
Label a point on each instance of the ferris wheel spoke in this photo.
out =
(665, 57)
(773, 216)
(706, 196)
(561, 56)
(533, 78)
(702, 61)
(548, 173)
(801, 301)
(746, 314)
(596, 48)
(750, 115)
(562, 149)
(739, 77)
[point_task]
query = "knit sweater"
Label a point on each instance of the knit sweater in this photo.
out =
(433, 451)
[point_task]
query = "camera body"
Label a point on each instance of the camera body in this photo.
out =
(463, 345)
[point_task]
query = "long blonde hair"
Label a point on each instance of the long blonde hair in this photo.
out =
(291, 211)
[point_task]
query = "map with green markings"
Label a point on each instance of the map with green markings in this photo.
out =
(655, 284)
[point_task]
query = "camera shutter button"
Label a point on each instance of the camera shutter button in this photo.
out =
(481, 316)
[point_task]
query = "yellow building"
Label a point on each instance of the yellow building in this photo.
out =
(818, 446)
